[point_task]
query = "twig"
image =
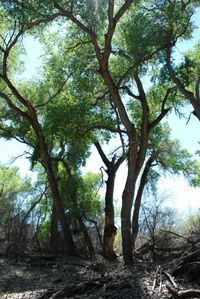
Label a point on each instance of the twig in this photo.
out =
(170, 278)
(160, 285)
(154, 282)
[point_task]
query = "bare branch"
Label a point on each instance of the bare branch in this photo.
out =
(34, 205)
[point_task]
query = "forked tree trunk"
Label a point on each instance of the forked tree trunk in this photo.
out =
(110, 230)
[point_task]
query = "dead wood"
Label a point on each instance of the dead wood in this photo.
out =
(191, 293)
(143, 249)
(188, 265)
(171, 279)
(178, 235)
(72, 290)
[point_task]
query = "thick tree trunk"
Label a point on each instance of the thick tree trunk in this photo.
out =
(137, 203)
(63, 218)
(54, 238)
(110, 229)
(127, 203)
(126, 225)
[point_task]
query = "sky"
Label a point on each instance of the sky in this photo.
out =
(180, 195)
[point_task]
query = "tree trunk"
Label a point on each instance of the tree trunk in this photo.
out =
(126, 224)
(137, 203)
(110, 229)
(127, 203)
(86, 236)
(54, 238)
(126, 221)
(76, 207)
(82, 224)
(63, 218)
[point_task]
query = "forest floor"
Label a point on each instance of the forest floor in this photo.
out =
(37, 277)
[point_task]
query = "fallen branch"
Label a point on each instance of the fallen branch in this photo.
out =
(171, 279)
(73, 290)
(191, 293)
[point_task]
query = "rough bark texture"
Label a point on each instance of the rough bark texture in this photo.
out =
(110, 230)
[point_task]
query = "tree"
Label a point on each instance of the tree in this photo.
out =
(120, 59)
(18, 198)
(164, 156)
(186, 75)
(17, 104)
(110, 229)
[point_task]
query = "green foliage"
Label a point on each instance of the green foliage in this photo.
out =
(44, 232)
(168, 157)
(89, 199)
(14, 192)
(70, 100)
(189, 68)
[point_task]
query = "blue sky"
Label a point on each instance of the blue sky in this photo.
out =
(180, 194)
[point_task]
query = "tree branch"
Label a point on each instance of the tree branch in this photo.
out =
(187, 94)
(164, 110)
(197, 89)
(102, 154)
(15, 108)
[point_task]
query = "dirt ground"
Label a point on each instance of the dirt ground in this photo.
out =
(60, 277)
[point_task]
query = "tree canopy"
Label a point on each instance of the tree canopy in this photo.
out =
(107, 74)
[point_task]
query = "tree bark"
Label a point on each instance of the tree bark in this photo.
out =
(127, 202)
(54, 239)
(31, 117)
(63, 218)
(110, 230)
(138, 199)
